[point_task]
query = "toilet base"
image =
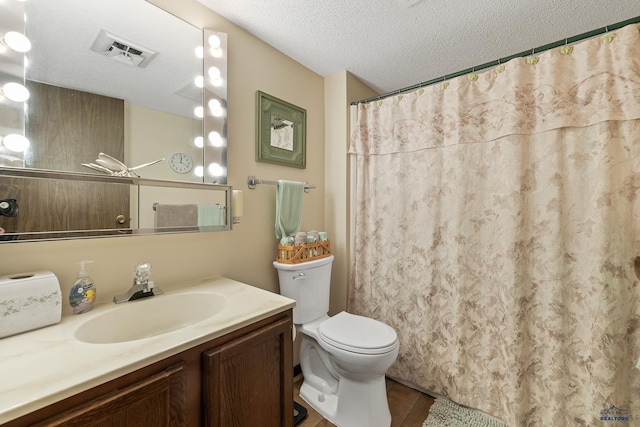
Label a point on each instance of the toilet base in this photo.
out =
(357, 404)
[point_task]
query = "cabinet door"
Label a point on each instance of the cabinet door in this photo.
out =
(157, 401)
(248, 382)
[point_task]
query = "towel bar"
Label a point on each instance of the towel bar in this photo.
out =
(252, 181)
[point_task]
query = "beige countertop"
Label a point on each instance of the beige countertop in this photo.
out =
(41, 367)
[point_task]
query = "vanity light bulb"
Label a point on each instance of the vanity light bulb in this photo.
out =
(217, 82)
(215, 139)
(198, 171)
(198, 141)
(215, 169)
(214, 41)
(17, 41)
(214, 73)
(216, 53)
(200, 81)
(200, 52)
(15, 142)
(199, 112)
(15, 92)
(214, 104)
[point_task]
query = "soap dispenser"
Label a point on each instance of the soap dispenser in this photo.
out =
(83, 293)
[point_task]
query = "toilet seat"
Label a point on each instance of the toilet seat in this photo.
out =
(357, 334)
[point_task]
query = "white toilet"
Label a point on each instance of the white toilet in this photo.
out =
(343, 358)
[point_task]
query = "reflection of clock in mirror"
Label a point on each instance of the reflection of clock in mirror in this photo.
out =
(181, 162)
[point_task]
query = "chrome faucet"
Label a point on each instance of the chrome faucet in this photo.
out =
(142, 287)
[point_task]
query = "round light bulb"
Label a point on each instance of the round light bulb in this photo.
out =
(214, 104)
(199, 111)
(214, 73)
(200, 81)
(215, 169)
(215, 139)
(17, 41)
(200, 52)
(198, 171)
(15, 92)
(15, 142)
(214, 41)
(217, 82)
(216, 53)
(198, 141)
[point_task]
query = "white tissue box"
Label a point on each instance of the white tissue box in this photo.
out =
(29, 301)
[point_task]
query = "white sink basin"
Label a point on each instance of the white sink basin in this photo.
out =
(149, 317)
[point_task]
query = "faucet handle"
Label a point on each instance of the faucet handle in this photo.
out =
(142, 272)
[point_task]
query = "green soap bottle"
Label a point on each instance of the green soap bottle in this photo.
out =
(83, 293)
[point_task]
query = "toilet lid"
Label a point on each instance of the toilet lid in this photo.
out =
(357, 334)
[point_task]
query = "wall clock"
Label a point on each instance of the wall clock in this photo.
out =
(181, 162)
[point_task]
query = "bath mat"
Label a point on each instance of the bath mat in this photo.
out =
(446, 413)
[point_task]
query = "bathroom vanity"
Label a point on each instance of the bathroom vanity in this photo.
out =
(231, 369)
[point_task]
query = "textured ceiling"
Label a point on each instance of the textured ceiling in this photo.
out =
(392, 44)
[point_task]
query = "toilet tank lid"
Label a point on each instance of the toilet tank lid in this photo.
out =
(357, 332)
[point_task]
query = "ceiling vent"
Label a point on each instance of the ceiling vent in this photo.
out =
(122, 50)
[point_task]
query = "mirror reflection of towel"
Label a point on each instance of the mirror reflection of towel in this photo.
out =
(176, 215)
(210, 215)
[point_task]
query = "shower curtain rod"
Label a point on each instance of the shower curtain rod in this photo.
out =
(533, 51)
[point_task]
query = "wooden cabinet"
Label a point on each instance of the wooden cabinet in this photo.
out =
(248, 381)
(244, 378)
(159, 400)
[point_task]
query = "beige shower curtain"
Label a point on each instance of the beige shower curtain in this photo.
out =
(496, 223)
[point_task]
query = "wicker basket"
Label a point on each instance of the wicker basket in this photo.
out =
(303, 253)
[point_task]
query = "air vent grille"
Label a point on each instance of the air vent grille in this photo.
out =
(122, 50)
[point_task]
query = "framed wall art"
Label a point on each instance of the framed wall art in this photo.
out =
(281, 134)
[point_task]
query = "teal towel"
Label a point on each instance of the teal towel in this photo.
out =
(289, 195)
(210, 215)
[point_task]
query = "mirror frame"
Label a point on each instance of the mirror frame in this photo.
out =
(139, 182)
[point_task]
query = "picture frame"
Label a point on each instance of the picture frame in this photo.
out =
(281, 132)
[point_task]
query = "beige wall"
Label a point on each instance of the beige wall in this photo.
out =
(340, 90)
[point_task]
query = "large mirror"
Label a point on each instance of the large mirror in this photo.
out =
(119, 77)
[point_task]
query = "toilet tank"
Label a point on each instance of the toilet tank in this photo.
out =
(308, 283)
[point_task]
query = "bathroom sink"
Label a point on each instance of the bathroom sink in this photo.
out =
(149, 317)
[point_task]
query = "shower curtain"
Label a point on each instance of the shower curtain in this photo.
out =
(496, 224)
